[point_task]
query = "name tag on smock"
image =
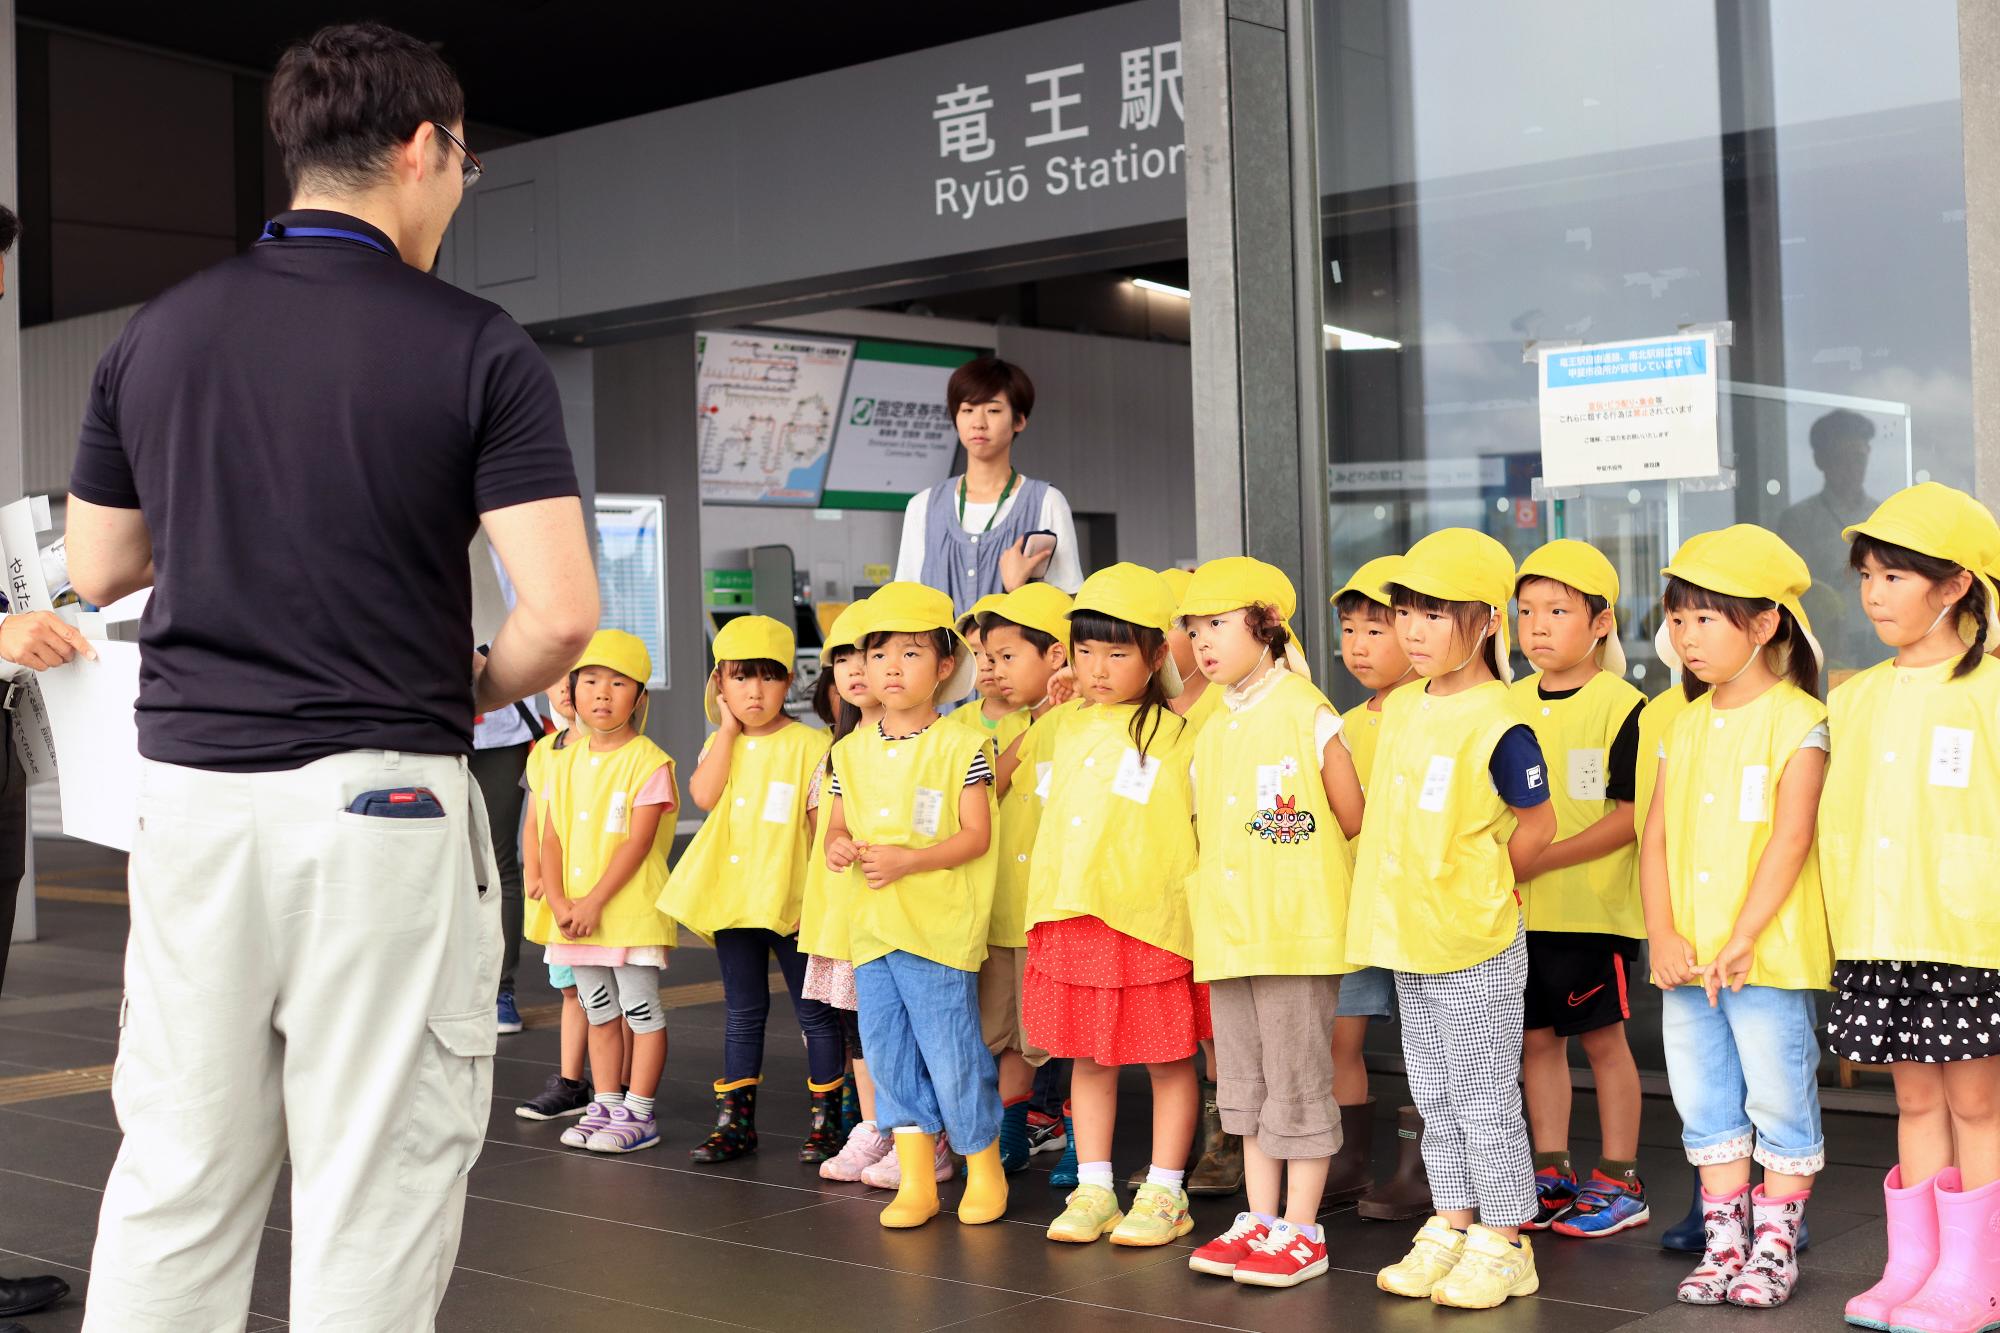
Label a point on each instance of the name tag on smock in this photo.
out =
(1044, 771)
(1951, 757)
(619, 820)
(779, 798)
(1585, 772)
(1437, 784)
(1270, 785)
(1755, 793)
(1136, 777)
(926, 812)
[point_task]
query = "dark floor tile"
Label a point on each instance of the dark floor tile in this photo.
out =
(43, 1217)
(31, 1052)
(1815, 1306)
(95, 1026)
(57, 1147)
(541, 1195)
(487, 1301)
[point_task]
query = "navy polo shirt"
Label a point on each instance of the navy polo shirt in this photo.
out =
(312, 430)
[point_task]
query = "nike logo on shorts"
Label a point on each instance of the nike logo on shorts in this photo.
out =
(1578, 1001)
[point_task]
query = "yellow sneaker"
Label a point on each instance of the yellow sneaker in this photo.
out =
(1435, 1253)
(1492, 1269)
(1158, 1216)
(1092, 1210)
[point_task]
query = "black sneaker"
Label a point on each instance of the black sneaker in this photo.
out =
(1555, 1197)
(559, 1098)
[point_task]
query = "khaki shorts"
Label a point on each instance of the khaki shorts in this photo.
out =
(1274, 1062)
(1000, 1022)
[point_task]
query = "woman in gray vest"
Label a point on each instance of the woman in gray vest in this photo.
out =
(967, 535)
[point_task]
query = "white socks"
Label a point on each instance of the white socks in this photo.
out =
(1159, 1175)
(640, 1107)
(1094, 1173)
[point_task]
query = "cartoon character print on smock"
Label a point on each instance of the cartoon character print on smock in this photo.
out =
(1279, 818)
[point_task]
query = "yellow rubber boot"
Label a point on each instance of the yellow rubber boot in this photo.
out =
(985, 1187)
(916, 1200)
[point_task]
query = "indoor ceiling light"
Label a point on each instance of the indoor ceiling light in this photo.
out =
(1162, 288)
(1347, 340)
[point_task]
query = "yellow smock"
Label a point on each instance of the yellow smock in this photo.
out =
(1117, 836)
(590, 805)
(746, 866)
(1722, 774)
(905, 793)
(827, 897)
(1269, 895)
(1204, 710)
(1909, 821)
(1020, 817)
(536, 923)
(1599, 897)
(1433, 888)
(1001, 731)
(1654, 719)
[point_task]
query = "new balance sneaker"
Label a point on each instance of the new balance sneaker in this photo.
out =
(1045, 1133)
(1606, 1206)
(558, 1099)
(1555, 1195)
(624, 1132)
(595, 1117)
(506, 1016)
(1284, 1258)
(1221, 1255)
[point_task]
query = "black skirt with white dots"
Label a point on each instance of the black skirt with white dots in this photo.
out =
(1932, 1013)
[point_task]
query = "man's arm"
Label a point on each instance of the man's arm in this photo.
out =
(546, 552)
(110, 551)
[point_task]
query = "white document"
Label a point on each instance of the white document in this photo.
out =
(1750, 801)
(779, 797)
(96, 734)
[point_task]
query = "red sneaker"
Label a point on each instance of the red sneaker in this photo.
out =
(1221, 1255)
(1284, 1258)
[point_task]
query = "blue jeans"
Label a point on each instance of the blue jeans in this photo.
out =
(745, 959)
(1369, 993)
(1745, 1077)
(920, 1025)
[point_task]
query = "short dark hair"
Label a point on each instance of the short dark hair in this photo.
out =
(1801, 667)
(1465, 615)
(345, 98)
(10, 228)
(754, 668)
(1038, 639)
(1936, 569)
(987, 378)
(1839, 427)
(1592, 603)
(1356, 603)
(942, 642)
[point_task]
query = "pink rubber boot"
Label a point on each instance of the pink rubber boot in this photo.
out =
(1962, 1294)
(1913, 1247)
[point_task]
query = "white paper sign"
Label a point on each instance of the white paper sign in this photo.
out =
(1437, 783)
(927, 812)
(96, 732)
(1136, 777)
(1951, 757)
(1584, 772)
(779, 798)
(1750, 800)
(1629, 411)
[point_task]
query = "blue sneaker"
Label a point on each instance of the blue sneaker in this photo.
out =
(1064, 1176)
(1014, 1146)
(1555, 1195)
(507, 1018)
(1606, 1206)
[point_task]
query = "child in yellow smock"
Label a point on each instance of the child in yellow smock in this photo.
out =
(1457, 805)
(1907, 829)
(1109, 979)
(1374, 656)
(1196, 703)
(912, 818)
(994, 716)
(602, 867)
(1276, 799)
(1736, 922)
(741, 882)
(1581, 896)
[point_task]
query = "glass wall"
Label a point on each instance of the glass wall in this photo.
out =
(1501, 177)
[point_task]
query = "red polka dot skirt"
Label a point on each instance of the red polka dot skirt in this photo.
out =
(1095, 993)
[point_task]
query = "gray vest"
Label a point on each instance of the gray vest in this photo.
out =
(967, 565)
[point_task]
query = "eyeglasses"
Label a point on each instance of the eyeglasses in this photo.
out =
(471, 169)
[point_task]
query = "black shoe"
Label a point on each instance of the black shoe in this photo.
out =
(25, 1295)
(558, 1098)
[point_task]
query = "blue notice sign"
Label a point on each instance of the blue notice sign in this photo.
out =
(1662, 359)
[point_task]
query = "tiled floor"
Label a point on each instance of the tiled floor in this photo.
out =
(649, 1242)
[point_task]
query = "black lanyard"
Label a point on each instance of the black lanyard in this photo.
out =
(1012, 477)
(278, 231)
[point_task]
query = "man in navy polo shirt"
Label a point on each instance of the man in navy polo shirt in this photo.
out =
(294, 450)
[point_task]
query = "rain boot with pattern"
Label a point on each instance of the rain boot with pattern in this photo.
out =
(823, 1138)
(735, 1132)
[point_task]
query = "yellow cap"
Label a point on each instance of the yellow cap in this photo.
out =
(1139, 596)
(747, 639)
(1460, 565)
(1939, 521)
(1038, 606)
(1747, 561)
(970, 620)
(624, 653)
(1581, 566)
(1177, 581)
(1369, 580)
(1237, 581)
(846, 630)
(912, 608)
